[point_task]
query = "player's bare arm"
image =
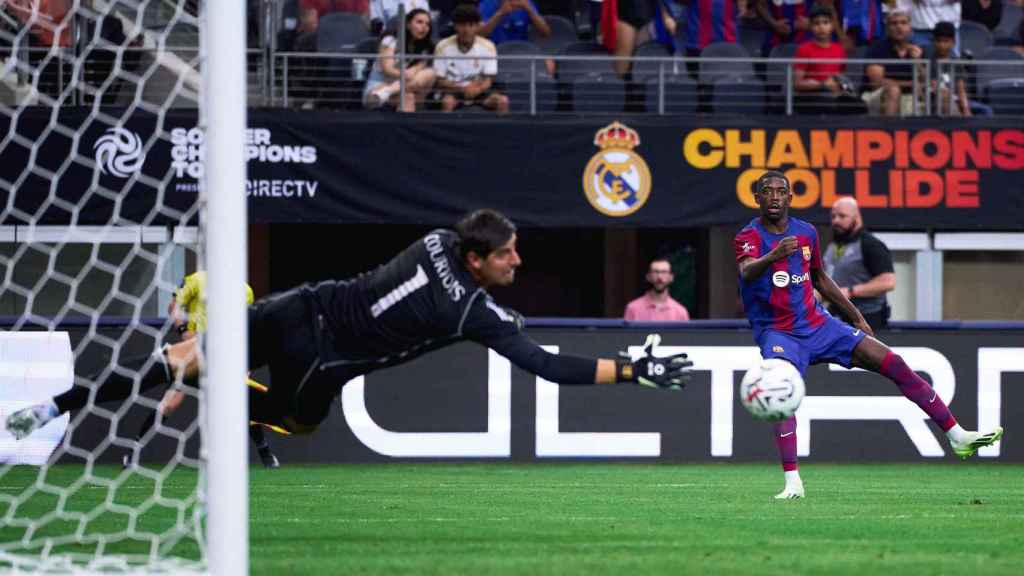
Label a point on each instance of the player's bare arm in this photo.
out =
(751, 268)
(824, 284)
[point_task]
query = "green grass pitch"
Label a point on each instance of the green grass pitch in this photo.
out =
(597, 518)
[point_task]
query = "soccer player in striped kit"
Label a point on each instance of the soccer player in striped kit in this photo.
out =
(780, 267)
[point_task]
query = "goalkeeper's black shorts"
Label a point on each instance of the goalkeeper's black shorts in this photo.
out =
(283, 337)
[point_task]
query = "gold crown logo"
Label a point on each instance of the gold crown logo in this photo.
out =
(616, 135)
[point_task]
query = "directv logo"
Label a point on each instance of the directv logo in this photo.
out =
(119, 152)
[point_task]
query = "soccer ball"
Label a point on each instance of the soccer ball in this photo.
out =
(772, 391)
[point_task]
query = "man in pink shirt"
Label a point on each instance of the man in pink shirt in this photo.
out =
(656, 305)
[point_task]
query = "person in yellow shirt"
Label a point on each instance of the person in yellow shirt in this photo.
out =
(188, 312)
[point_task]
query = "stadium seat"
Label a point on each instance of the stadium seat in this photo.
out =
(751, 39)
(711, 71)
(737, 95)
(975, 37)
(989, 72)
(855, 70)
(361, 67)
(599, 94)
(518, 67)
(643, 70)
(775, 76)
(1009, 22)
(680, 95)
(563, 33)
(1006, 96)
(340, 32)
(572, 69)
(517, 88)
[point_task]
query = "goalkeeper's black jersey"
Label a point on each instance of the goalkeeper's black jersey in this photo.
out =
(424, 299)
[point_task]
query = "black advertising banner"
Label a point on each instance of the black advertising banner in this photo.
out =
(550, 172)
(487, 408)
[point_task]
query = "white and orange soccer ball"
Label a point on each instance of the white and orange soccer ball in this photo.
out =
(773, 390)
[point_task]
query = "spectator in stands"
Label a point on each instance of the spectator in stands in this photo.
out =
(984, 12)
(657, 305)
(820, 86)
(888, 88)
(383, 86)
(925, 14)
(466, 65)
(382, 12)
(506, 20)
(710, 21)
(787, 20)
(311, 11)
(861, 22)
(947, 81)
(626, 24)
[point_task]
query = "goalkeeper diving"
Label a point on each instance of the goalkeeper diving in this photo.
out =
(315, 338)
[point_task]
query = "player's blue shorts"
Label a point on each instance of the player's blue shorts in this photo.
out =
(833, 341)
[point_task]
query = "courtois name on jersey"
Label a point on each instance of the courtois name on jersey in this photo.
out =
(443, 267)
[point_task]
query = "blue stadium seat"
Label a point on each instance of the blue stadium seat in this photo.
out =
(518, 67)
(340, 32)
(563, 33)
(681, 95)
(751, 39)
(641, 69)
(1006, 96)
(975, 37)
(572, 69)
(710, 72)
(599, 94)
(738, 95)
(1009, 22)
(987, 73)
(855, 70)
(517, 88)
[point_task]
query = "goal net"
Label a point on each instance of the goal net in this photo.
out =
(109, 137)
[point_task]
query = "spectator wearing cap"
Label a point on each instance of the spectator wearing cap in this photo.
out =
(949, 80)
(466, 65)
(888, 89)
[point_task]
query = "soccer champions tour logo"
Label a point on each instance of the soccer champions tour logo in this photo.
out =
(187, 152)
(617, 181)
(880, 168)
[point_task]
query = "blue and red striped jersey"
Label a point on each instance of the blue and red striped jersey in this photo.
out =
(710, 21)
(783, 297)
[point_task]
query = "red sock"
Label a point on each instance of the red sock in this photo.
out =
(785, 439)
(917, 390)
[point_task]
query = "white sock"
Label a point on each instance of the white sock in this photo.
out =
(957, 434)
(793, 477)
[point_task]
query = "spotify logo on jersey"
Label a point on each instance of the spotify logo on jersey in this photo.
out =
(780, 279)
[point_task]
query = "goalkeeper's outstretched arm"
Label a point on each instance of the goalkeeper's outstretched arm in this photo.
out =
(668, 372)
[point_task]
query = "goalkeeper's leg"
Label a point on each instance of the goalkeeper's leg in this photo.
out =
(126, 377)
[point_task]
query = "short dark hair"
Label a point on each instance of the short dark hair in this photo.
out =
(766, 176)
(944, 30)
(466, 14)
(821, 11)
(483, 231)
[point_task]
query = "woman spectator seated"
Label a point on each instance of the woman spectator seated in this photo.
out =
(384, 86)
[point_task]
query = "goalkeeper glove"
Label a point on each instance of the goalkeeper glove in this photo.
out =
(668, 372)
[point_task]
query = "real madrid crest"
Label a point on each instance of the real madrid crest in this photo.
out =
(617, 181)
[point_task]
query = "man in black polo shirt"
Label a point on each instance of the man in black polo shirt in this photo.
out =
(860, 264)
(888, 89)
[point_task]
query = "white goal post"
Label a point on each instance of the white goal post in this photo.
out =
(96, 190)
